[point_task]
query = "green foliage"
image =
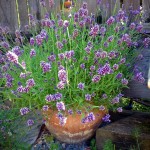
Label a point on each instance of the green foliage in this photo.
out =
(108, 145)
(93, 144)
(8, 137)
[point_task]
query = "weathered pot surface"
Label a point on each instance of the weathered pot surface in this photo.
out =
(74, 131)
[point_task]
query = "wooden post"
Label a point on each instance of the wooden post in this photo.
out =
(8, 14)
(23, 13)
(146, 17)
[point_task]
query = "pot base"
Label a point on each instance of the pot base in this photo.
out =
(74, 131)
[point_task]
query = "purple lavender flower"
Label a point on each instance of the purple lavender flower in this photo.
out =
(20, 89)
(26, 89)
(102, 107)
(84, 5)
(59, 45)
(106, 118)
(24, 75)
(49, 98)
(90, 117)
(99, 2)
(111, 54)
(117, 29)
(62, 121)
(120, 15)
(92, 68)
(4, 68)
(97, 54)
(104, 54)
(45, 108)
(66, 23)
(60, 106)
(119, 109)
(110, 38)
(88, 97)
(60, 67)
(30, 82)
(30, 122)
(81, 12)
(82, 66)
(4, 45)
(32, 41)
(61, 85)
(111, 20)
(18, 34)
(60, 22)
(8, 84)
(61, 56)
(8, 77)
(46, 67)
(79, 112)
(139, 28)
(88, 49)
(75, 33)
(58, 96)
(94, 30)
(43, 34)
(52, 58)
(96, 78)
(81, 86)
(69, 54)
(12, 57)
(115, 100)
(115, 66)
(70, 112)
(102, 30)
(139, 77)
(124, 81)
(62, 75)
(119, 76)
(32, 53)
(104, 96)
(104, 70)
(39, 40)
(64, 41)
(132, 26)
(146, 42)
(122, 61)
(24, 110)
(76, 15)
(120, 95)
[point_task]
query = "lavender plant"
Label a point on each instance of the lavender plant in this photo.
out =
(72, 63)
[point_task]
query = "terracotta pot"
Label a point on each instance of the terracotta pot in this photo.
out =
(74, 131)
(67, 4)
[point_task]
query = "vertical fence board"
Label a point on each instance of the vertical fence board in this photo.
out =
(56, 7)
(8, 14)
(34, 8)
(146, 8)
(50, 9)
(135, 6)
(23, 13)
(91, 5)
(134, 3)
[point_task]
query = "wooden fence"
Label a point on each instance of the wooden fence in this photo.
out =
(14, 13)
